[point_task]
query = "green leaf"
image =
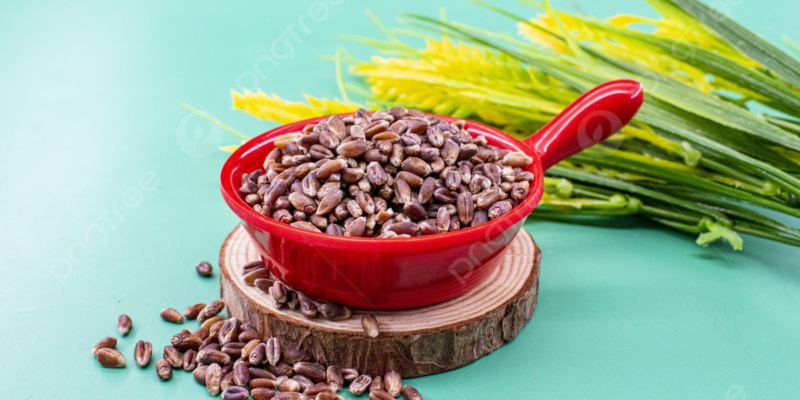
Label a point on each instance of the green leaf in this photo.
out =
(636, 189)
(585, 75)
(716, 232)
(686, 98)
(733, 138)
(740, 213)
(745, 40)
(755, 230)
(657, 117)
(577, 51)
(708, 61)
(682, 178)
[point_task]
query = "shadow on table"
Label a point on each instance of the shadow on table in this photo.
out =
(780, 259)
(612, 222)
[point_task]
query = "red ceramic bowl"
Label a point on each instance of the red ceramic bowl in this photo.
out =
(389, 274)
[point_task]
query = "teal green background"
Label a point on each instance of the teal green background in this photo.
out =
(108, 201)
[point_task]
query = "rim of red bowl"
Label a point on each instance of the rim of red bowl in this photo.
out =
(230, 193)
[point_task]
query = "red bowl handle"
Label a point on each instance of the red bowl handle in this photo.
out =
(581, 125)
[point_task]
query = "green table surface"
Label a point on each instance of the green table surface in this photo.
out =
(110, 197)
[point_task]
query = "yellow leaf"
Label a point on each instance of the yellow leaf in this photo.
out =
(274, 108)
(229, 149)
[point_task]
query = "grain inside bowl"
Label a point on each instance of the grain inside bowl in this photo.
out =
(388, 174)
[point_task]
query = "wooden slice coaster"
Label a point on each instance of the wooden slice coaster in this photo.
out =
(413, 342)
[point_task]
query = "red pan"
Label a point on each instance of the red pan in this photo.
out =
(410, 272)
